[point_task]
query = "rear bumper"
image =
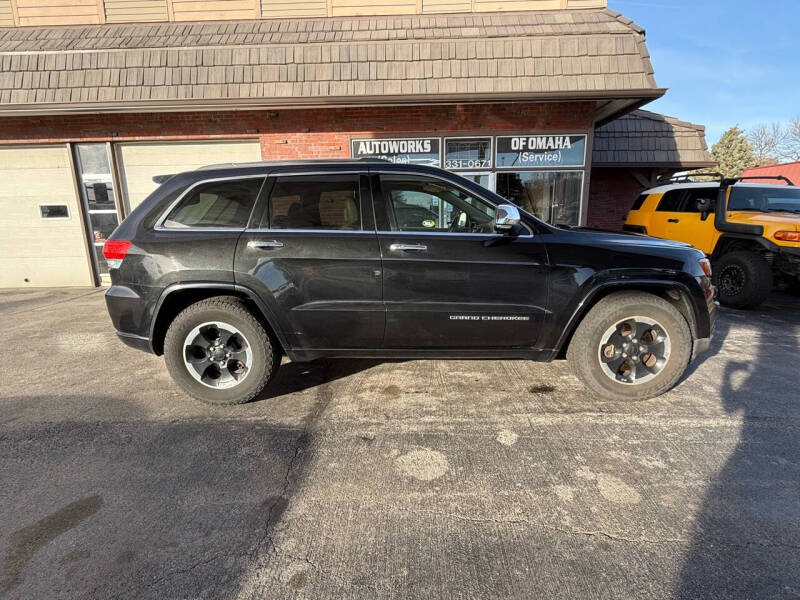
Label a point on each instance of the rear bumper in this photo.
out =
(131, 314)
(135, 341)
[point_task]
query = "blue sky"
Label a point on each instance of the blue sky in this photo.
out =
(724, 61)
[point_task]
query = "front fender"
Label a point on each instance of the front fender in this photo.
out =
(604, 283)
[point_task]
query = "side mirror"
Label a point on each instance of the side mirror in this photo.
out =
(703, 206)
(506, 218)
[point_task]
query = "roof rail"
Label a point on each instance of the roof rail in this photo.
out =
(299, 161)
(776, 177)
(687, 178)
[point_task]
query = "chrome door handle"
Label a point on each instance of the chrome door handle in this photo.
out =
(673, 220)
(408, 247)
(264, 245)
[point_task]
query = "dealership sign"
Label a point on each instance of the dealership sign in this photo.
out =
(528, 151)
(408, 151)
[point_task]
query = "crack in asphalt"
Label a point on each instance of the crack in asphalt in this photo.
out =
(180, 571)
(324, 396)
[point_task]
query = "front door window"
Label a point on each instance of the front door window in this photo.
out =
(429, 205)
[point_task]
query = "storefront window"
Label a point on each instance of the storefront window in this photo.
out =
(533, 151)
(482, 179)
(97, 189)
(407, 151)
(554, 196)
(543, 173)
(462, 154)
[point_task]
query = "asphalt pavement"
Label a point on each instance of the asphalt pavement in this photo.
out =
(402, 479)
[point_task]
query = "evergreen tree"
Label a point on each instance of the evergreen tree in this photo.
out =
(734, 152)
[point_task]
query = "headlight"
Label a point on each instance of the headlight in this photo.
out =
(705, 264)
(787, 236)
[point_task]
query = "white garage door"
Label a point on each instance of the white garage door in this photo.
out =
(34, 250)
(139, 162)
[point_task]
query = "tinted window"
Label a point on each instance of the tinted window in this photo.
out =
(685, 200)
(765, 199)
(639, 201)
(315, 202)
(671, 201)
(694, 195)
(217, 204)
(430, 205)
(54, 211)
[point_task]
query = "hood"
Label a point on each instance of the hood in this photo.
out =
(624, 238)
(787, 221)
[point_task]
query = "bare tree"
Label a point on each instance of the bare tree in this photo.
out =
(770, 142)
(793, 140)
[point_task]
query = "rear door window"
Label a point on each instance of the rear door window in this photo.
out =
(693, 195)
(218, 204)
(684, 200)
(315, 202)
(671, 201)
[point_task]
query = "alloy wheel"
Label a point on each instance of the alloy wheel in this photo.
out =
(634, 350)
(217, 355)
(731, 281)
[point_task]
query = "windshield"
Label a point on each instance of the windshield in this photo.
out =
(766, 199)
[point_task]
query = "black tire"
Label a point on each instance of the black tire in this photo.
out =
(743, 279)
(230, 310)
(584, 353)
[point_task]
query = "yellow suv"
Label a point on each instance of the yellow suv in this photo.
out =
(751, 231)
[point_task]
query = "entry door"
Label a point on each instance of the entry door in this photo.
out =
(313, 257)
(100, 199)
(449, 282)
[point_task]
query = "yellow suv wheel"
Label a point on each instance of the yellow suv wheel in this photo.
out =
(743, 278)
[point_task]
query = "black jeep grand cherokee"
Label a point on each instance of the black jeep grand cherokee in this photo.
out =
(226, 268)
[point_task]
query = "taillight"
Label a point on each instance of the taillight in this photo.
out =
(787, 236)
(115, 251)
(705, 264)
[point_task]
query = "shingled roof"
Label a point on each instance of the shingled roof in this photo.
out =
(305, 62)
(648, 138)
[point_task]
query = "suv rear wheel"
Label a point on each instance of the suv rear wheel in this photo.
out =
(631, 346)
(219, 353)
(743, 278)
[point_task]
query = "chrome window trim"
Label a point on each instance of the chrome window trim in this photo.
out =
(159, 226)
(305, 231)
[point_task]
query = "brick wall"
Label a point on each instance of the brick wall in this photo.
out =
(288, 134)
(611, 195)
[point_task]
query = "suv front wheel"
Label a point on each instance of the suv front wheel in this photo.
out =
(743, 278)
(631, 346)
(219, 353)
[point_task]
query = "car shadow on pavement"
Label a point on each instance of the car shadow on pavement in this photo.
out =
(717, 342)
(144, 509)
(746, 535)
(295, 377)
